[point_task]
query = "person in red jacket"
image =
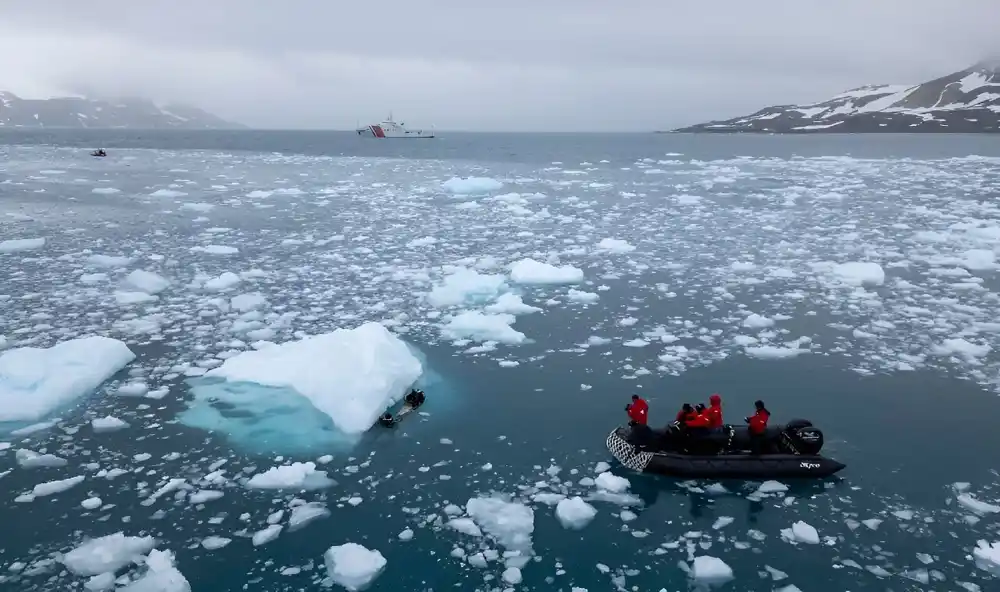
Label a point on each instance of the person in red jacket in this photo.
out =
(714, 411)
(758, 427)
(638, 410)
(758, 421)
(686, 411)
(699, 419)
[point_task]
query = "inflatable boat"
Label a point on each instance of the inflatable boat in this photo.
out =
(790, 450)
(414, 399)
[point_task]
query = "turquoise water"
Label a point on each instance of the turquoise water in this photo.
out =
(722, 227)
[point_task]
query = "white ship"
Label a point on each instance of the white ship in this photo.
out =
(392, 129)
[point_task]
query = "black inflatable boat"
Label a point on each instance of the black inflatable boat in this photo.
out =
(414, 399)
(790, 450)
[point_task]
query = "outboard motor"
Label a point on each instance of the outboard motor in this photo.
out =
(802, 439)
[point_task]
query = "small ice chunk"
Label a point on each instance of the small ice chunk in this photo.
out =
(223, 282)
(161, 575)
(204, 496)
(91, 503)
(29, 459)
(613, 483)
(614, 245)
(464, 285)
(147, 281)
(212, 543)
(465, 526)
(104, 581)
(471, 185)
(215, 250)
(967, 501)
(473, 324)
(106, 554)
(530, 271)
(857, 273)
(294, 476)
(133, 389)
(512, 576)
(353, 566)
(988, 556)
(511, 304)
(266, 535)
(706, 569)
(108, 424)
(405, 535)
(581, 296)
(54, 487)
(510, 523)
(21, 244)
(755, 321)
(248, 302)
(802, 533)
(128, 298)
(574, 513)
(305, 514)
(772, 487)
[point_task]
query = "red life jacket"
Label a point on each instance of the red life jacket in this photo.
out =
(714, 412)
(696, 420)
(638, 411)
(758, 423)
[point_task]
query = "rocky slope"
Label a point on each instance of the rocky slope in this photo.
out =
(967, 101)
(73, 112)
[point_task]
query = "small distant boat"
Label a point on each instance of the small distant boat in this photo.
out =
(392, 129)
(99, 153)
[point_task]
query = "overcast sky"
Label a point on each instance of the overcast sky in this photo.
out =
(478, 65)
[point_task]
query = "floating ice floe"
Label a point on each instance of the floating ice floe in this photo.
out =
(147, 281)
(108, 424)
(706, 569)
(108, 553)
(351, 375)
(297, 476)
(466, 286)
(34, 382)
(21, 244)
(478, 326)
(161, 575)
(509, 523)
(353, 566)
(530, 271)
(614, 245)
(575, 513)
(471, 185)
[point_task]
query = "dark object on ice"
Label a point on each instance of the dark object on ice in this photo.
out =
(790, 450)
(99, 152)
(413, 399)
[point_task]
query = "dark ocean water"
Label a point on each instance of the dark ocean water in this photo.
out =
(723, 226)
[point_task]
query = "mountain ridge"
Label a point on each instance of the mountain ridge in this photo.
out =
(966, 101)
(123, 113)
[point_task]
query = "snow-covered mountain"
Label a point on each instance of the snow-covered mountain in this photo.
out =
(76, 112)
(964, 102)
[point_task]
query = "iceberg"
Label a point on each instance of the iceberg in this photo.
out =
(34, 382)
(351, 375)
